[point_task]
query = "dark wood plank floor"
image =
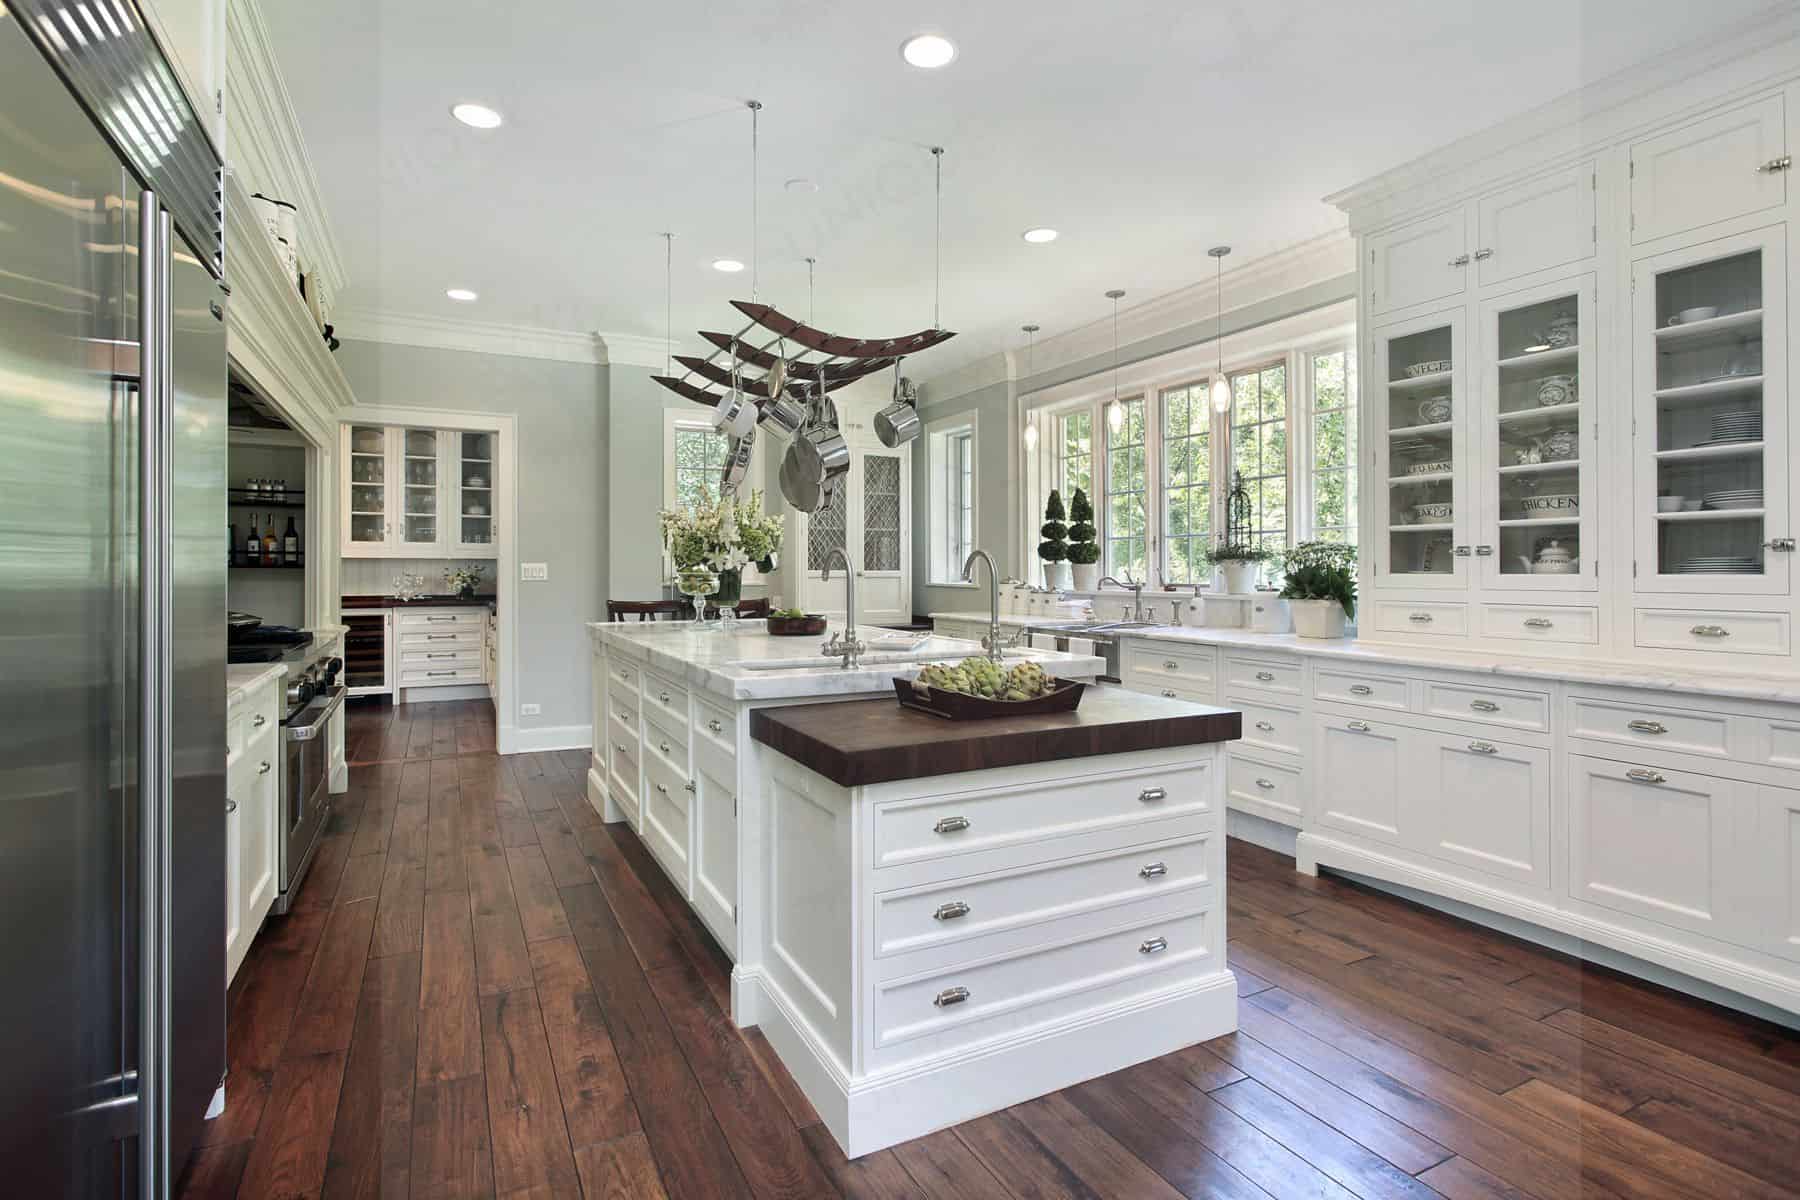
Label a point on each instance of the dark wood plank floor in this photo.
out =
(485, 992)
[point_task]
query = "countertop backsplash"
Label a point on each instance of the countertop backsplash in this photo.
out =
(375, 576)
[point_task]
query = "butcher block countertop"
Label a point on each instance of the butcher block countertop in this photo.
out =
(877, 741)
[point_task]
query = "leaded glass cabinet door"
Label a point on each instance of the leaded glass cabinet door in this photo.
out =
(882, 517)
(1420, 489)
(368, 488)
(1539, 447)
(1709, 331)
(420, 527)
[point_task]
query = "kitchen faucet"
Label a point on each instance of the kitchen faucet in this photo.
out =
(993, 642)
(1137, 593)
(844, 644)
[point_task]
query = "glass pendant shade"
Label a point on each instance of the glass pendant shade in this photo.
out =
(1115, 416)
(1031, 436)
(1221, 394)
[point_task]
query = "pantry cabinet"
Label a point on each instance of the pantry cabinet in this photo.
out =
(418, 492)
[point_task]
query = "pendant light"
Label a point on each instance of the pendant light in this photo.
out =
(1031, 431)
(1221, 390)
(1115, 415)
(755, 107)
(668, 302)
(937, 269)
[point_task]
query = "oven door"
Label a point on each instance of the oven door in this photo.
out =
(305, 798)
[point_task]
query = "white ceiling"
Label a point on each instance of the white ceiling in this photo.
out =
(1144, 131)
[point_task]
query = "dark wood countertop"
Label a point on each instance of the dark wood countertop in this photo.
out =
(483, 601)
(877, 741)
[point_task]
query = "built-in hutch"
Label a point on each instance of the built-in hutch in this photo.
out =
(416, 492)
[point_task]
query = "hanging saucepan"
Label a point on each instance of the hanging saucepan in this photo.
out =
(817, 455)
(776, 379)
(737, 462)
(898, 423)
(735, 413)
(785, 414)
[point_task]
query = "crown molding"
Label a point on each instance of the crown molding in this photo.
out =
(264, 143)
(496, 337)
(636, 350)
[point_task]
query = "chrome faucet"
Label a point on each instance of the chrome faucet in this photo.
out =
(844, 644)
(1137, 593)
(993, 643)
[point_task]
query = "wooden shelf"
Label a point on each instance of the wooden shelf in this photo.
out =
(1543, 358)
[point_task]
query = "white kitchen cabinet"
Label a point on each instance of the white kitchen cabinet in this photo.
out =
(1416, 416)
(418, 492)
(715, 835)
(1776, 877)
(1417, 263)
(1721, 166)
(438, 647)
(869, 517)
(472, 523)
(368, 492)
(1545, 222)
(252, 816)
(1479, 803)
(1357, 781)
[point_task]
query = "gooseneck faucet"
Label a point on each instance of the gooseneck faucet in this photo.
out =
(1137, 593)
(844, 644)
(993, 643)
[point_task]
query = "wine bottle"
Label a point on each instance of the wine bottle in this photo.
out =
(271, 547)
(290, 543)
(252, 545)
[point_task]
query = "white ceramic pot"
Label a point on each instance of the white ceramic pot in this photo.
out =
(1317, 618)
(1056, 576)
(1269, 613)
(1087, 576)
(1240, 577)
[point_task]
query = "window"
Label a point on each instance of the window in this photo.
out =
(1334, 446)
(952, 462)
(1127, 532)
(1259, 450)
(699, 459)
(1075, 453)
(1186, 483)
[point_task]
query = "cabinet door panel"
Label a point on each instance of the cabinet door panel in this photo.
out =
(367, 499)
(1535, 225)
(259, 819)
(1778, 870)
(1708, 171)
(235, 941)
(1656, 844)
(716, 841)
(1426, 260)
(1420, 455)
(1357, 780)
(1481, 804)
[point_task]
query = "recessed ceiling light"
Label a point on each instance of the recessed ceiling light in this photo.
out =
(1038, 237)
(476, 116)
(929, 51)
(801, 185)
(462, 295)
(730, 266)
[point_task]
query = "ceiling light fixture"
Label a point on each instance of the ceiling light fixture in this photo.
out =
(1221, 390)
(1031, 430)
(928, 51)
(1039, 236)
(1115, 413)
(730, 266)
(477, 116)
(462, 295)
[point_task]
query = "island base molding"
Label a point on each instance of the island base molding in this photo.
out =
(881, 1110)
(1319, 850)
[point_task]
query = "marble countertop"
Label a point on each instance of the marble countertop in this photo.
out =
(243, 678)
(1611, 673)
(728, 664)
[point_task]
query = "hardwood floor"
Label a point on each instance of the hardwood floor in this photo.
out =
(485, 992)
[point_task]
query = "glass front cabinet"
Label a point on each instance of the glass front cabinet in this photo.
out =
(1421, 454)
(415, 492)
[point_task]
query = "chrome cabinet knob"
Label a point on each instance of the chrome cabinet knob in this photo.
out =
(1152, 795)
(1483, 254)
(1152, 870)
(1266, 676)
(1171, 665)
(663, 746)
(950, 824)
(662, 789)
(230, 806)
(265, 768)
(1641, 775)
(1461, 260)
(1358, 727)
(690, 786)
(1646, 726)
(949, 996)
(663, 696)
(259, 722)
(715, 726)
(1168, 693)
(950, 911)
(1155, 945)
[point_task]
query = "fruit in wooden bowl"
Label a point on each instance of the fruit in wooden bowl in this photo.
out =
(792, 622)
(980, 687)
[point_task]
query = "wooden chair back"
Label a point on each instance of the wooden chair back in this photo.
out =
(646, 610)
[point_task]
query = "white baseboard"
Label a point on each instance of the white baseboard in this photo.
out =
(551, 737)
(1260, 831)
(877, 1111)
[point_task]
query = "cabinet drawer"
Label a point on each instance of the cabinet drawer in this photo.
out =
(941, 913)
(1194, 668)
(1265, 789)
(621, 675)
(250, 720)
(1519, 710)
(1720, 632)
(1668, 729)
(622, 771)
(259, 757)
(941, 827)
(1270, 726)
(442, 657)
(666, 699)
(658, 737)
(1431, 617)
(1781, 748)
(420, 639)
(624, 711)
(665, 815)
(717, 725)
(1538, 623)
(969, 1002)
(425, 676)
(459, 619)
(1347, 687)
(1263, 674)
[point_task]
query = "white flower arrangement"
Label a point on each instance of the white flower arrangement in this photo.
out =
(463, 578)
(723, 535)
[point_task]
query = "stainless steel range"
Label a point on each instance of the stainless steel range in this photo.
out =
(314, 696)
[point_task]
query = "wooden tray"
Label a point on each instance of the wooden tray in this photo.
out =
(811, 625)
(959, 706)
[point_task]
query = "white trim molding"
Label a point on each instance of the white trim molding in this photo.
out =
(499, 337)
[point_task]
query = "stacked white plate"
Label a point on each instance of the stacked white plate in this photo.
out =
(1717, 564)
(1743, 426)
(1733, 498)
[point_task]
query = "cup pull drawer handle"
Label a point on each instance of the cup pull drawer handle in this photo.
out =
(259, 722)
(1170, 664)
(949, 996)
(1151, 795)
(1266, 676)
(1538, 622)
(1640, 775)
(1265, 726)
(1152, 870)
(950, 911)
(444, 654)
(1267, 785)
(950, 824)
(265, 768)
(440, 637)
(1484, 706)
(1646, 727)
(715, 726)
(1358, 727)
(440, 673)
(1711, 631)
(1361, 689)
(1155, 945)
(1423, 618)
(1484, 747)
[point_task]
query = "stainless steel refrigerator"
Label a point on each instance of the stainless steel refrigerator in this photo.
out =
(112, 608)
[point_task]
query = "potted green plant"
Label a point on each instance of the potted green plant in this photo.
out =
(1234, 554)
(1053, 549)
(1084, 551)
(1320, 587)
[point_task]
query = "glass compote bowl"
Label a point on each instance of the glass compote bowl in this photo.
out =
(697, 584)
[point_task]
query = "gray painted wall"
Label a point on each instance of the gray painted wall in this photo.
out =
(634, 482)
(992, 406)
(562, 422)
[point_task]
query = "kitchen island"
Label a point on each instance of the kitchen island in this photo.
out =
(960, 916)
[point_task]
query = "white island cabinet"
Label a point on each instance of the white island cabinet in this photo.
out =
(672, 754)
(961, 916)
(252, 803)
